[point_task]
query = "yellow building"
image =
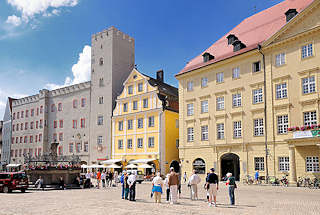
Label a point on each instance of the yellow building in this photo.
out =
(145, 123)
(239, 97)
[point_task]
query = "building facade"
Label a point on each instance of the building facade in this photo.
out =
(145, 123)
(6, 134)
(71, 116)
(239, 97)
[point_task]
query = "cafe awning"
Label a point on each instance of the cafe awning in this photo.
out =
(111, 161)
(141, 161)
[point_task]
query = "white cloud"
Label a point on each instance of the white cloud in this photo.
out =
(29, 9)
(14, 20)
(81, 70)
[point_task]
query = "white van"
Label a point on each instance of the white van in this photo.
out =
(139, 175)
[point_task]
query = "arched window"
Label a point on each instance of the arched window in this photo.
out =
(199, 165)
(101, 61)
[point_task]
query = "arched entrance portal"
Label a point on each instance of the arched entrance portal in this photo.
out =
(175, 164)
(230, 163)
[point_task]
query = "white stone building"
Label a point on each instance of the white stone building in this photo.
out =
(78, 117)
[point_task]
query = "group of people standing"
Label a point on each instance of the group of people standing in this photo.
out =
(105, 178)
(128, 185)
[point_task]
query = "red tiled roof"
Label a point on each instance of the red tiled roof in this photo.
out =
(251, 31)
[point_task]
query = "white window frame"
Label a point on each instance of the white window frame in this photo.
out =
(204, 106)
(120, 126)
(307, 51)
(151, 121)
(135, 105)
(259, 163)
(204, 133)
(190, 134)
(130, 124)
(125, 107)
(312, 164)
(283, 124)
(220, 103)
(99, 140)
(236, 73)
(129, 143)
(310, 118)
(258, 127)
(151, 142)
(140, 87)
(257, 96)
(140, 123)
(120, 144)
(100, 120)
(308, 85)
(130, 89)
(190, 86)
(236, 100)
(204, 82)
(281, 91)
(145, 103)
(220, 131)
(237, 129)
(220, 77)
(284, 164)
(280, 59)
(140, 143)
(190, 109)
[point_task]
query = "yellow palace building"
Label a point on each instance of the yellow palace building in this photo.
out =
(145, 123)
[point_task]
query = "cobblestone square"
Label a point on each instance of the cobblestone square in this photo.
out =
(249, 200)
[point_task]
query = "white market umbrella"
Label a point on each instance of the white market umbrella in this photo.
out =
(84, 166)
(145, 166)
(113, 166)
(131, 166)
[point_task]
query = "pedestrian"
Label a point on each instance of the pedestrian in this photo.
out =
(256, 177)
(122, 184)
(107, 178)
(173, 184)
(212, 183)
(88, 180)
(126, 186)
(231, 183)
(194, 180)
(98, 179)
(166, 182)
(185, 177)
(110, 178)
(39, 183)
(132, 186)
(61, 183)
(157, 184)
(103, 179)
(179, 185)
(115, 178)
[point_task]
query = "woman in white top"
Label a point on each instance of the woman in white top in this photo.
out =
(157, 183)
(166, 182)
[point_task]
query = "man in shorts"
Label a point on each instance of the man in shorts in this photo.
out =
(212, 184)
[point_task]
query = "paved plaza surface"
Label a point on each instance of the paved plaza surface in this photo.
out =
(251, 199)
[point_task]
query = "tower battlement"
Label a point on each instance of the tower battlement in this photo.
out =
(111, 31)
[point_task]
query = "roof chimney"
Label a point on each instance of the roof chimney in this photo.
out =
(290, 14)
(207, 56)
(160, 75)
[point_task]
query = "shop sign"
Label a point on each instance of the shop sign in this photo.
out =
(306, 134)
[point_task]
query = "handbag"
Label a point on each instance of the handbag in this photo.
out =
(235, 185)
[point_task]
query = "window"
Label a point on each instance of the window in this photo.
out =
(120, 144)
(14, 116)
(199, 166)
(125, 107)
(21, 126)
(60, 107)
(100, 120)
(204, 82)
(31, 139)
(130, 124)
(22, 114)
(256, 66)
(32, 112)
(282, 124)
(120, 125)
(190, 134)
(140, 123)
(53, 108)
(74, 123)
(281, 91)
(25, 140)
(25, 126)
(13, 127)
(220, 131)
(60, 150)
(83, 123)
(220, 77)
(41, 109)
(70, 147)
(308, 85)
(27, 113)
(204, 106)
(259, 163)
(21, 138)
(129, 143)
(31, 125)
(55, 124)
(17, 139)
(60, 136)
(236, 73)
(61, 123)
(190, 86)
(39, 151)
(237, 129)
(190, 109)
(135, 105)
(310, 118)
(312, 164)
(257, 96)
(236, 100)
(100, 99)
(306, 51)
(220, 103)
(140, 143)
(40, 124)
(40, 137)
(140, 87)
(18, 115)
(101, 61)
(151, 142)
(130, 89)
(99, 140)
(78, 149)
(204, 132)
(86, 147)
(280, 59)
(145, 103)
(284, 164)
(151, 121)
(75, 103)
(83, 102)
(101, 84)
(258, 127)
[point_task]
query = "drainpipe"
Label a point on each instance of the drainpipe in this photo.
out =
(265, 111)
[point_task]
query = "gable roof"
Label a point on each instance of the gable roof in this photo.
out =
(251, 31)
(162, 87)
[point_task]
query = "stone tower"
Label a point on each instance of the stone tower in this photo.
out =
(112, 61)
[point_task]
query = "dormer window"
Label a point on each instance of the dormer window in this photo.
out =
(231, 38)
(290, 14)
(207, 57)
(237, 45)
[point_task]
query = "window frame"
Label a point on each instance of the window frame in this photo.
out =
(204, 82)
(236, 100)
(259, 163)
(282, 124)
(220, 103)
(281, 90)
(313, 164)
(257, 96)
(284, 163)
(204, 133)
(258, 127)
(220, 131)
(308, 85)
(220, 77)
(190, 134)
(190, 109)
(237, 129)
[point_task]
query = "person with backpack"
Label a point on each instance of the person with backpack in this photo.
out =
(231, 183)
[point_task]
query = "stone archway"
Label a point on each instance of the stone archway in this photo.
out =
(230, 162)
(176, 165)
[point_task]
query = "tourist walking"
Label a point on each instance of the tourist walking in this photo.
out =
(157, 184)
(173, 184)
(231, 183)
(212, 183)
(110, 178)
(166, 182)
(194, 180)
(256, 177)
(132, 186)
(115, 178)
(88, 180)
(122, 184)
(98, 179)
(61, 183)
(185, 177)
(126, 186)
(103, 179)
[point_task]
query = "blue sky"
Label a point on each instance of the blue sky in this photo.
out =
(40, 40)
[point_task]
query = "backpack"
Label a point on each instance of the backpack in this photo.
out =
(122, 179)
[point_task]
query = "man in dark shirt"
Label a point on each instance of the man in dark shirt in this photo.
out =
(212, 183)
